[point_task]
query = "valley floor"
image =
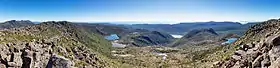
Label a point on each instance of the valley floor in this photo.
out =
(167, 57)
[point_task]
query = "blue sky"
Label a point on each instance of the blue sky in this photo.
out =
(139, 10)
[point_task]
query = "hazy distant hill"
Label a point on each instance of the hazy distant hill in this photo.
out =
(197, 36)
(108, 29)
(105, 29)
(149, 38)
(15, 24)
(182, 28)
(130, 36)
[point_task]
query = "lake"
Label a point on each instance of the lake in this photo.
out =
(230, 40)
(176, 36)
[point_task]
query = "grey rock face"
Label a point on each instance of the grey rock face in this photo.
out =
(261, 44)
(236, 57)
(23, 54)
(258, 56)
(57, 61)
(35, 46)
(275, 64)
(240, 52)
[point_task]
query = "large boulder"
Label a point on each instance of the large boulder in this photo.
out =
(57, 61)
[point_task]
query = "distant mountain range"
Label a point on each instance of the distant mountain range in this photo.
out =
(183, 28)
(15, 24)
(180, 28)
(50, 44)
(130, 36)
(151, 34)
(149, 38)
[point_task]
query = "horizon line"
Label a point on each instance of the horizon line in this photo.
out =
(137, 22)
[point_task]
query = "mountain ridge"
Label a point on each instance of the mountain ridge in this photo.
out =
(55, 44)
(15, 24)
(257, 48)
(183, 28)
(197, 35)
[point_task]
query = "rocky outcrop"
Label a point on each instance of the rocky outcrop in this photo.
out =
(258, 48)
(25, 54)
(52, 45)
(57, 61)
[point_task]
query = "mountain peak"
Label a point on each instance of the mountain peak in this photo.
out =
(57, 22)
(205, 35)
(202, 30)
